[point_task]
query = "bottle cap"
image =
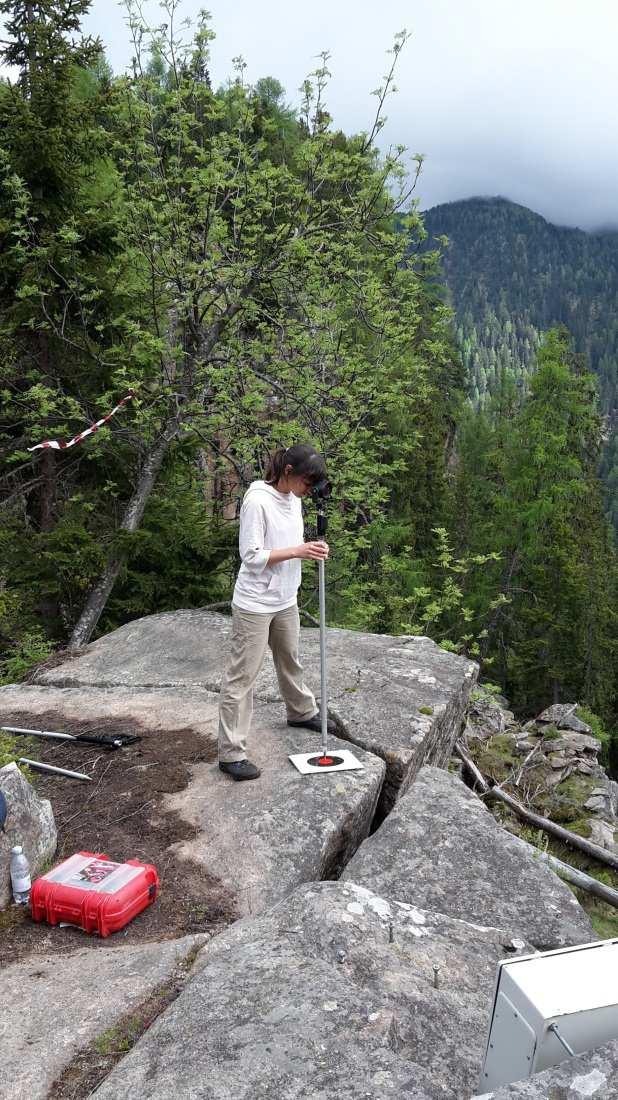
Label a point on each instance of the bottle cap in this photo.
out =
(17, 850)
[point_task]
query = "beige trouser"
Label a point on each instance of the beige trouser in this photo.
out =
(251, 633)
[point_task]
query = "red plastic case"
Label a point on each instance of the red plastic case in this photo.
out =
(94, 893)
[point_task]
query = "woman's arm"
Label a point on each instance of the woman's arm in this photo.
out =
(251, 543)
(317, 551)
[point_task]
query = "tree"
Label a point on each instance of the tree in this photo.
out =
(44, 130)
(252, 294)
(556, 639)
(53, 214)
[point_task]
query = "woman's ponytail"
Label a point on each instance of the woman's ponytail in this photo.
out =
(276, 466)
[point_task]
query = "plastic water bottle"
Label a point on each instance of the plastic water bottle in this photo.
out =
(20, 876)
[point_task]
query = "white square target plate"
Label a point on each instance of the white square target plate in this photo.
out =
(348, 762)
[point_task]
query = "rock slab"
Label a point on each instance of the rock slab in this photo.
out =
(261, 839)
(564, 717)
(29, 822)
(441, 849)
(401, 698)
(52, 1007)
(163, 711)
(328, 994)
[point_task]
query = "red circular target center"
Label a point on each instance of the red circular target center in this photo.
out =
(325, 761)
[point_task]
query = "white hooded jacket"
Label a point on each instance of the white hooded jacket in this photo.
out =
(269, 520)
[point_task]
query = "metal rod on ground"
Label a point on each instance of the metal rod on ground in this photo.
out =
(306, 763)
(572, 839)
(323, 671)
(50, 768)
(40, 733)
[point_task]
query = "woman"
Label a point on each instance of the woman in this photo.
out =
(264, 607)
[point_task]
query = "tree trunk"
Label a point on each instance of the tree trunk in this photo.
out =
(132, 518)
(135, 509)
(603, 855)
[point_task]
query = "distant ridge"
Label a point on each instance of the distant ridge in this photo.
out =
(609, 228)
(502, 200)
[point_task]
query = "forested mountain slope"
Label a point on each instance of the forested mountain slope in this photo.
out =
(512, 275)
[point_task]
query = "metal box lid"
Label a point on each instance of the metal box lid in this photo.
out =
(575, 979)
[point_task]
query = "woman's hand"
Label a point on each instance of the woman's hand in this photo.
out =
(314, 551)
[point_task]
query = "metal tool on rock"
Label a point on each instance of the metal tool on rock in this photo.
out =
(105, 740)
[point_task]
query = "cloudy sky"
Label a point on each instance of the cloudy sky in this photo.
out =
(509, 97)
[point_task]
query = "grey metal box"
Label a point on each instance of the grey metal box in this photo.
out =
(574, 989)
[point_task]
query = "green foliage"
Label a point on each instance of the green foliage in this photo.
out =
(551, 733)
(32, 648)
(250, 278)
(566, 805)
(398, 593)
(495, 757)
(12, 748)
(529, 489)
(182, 555)
(8, 750)
(22, 642)
(485, 690)
(117, 1040)
(604, 917)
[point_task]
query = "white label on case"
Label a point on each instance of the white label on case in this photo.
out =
(89, 873)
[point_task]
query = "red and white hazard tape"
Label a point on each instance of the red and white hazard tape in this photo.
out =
(59, 445)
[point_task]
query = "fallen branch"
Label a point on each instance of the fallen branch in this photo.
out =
(572, 839)
(576, 877)
(518, 777)
(472, 768)
(567, 837)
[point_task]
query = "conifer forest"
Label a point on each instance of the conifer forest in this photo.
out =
(248, 276)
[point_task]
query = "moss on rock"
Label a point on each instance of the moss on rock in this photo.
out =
(496, 756)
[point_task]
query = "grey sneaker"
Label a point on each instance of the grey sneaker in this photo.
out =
(240, 769)
(314, 723)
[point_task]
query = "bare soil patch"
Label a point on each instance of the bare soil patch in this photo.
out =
(119, 814)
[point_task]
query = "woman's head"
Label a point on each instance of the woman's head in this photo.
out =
(296, 469)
